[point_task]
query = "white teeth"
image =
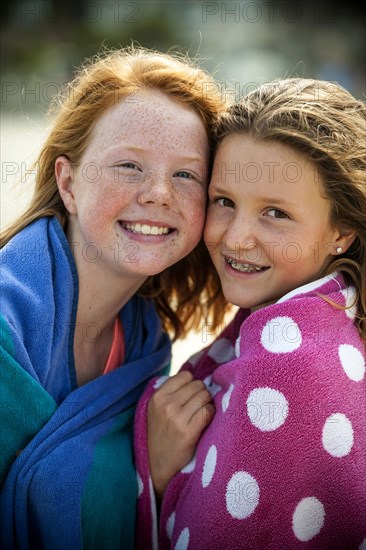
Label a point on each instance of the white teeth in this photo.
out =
(246, 268)
(145, 229)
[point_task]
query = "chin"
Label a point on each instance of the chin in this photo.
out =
(155, 271)
(239, 302)
(251, 303)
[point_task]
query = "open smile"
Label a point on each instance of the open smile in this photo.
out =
(146, 229)
(244, 267)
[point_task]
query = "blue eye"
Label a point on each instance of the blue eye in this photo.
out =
(127, 165)
(130, 165)
(184, 174)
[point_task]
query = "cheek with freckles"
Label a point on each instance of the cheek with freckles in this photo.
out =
(195, 207)
(192, 206)
(98, 207)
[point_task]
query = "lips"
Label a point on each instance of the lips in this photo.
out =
(146, 229)
(244, 267)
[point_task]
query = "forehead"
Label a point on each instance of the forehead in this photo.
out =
(268, 159)
(260, 167)
(151, 118)
(248, 148)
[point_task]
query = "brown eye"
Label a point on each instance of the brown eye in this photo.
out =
(223, 201)
(276, 213)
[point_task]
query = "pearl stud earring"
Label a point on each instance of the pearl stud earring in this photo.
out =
(339, 249)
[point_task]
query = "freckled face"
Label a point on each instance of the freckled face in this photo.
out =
(267, 226)
(140, 189)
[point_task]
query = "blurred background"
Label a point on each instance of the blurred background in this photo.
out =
(243, 43)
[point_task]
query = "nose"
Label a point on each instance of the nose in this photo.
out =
(157, 188)
(241, 239)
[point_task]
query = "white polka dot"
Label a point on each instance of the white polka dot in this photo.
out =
(267, 408)
(308, 518)
(209, 466)
(237, 346)
(350, 297)
(352, 362)
(207, 381)
(337, 436)
(160, 381)
(140, 486)
(222, 351)
(281, 335)
(362, 545)
(226, 398)
(170, 525)
(242, 495)
(183, 540)
(196, 357)
(190, 466)
(211, 386)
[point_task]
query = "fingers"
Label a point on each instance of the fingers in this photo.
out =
(190, 409)
(201, 418)
(193, 392)
(196, 404)
(179, 389)
(184, 403)
(176, 382)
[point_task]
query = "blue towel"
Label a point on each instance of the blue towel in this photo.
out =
(67, 468)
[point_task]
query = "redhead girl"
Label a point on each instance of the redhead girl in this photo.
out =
(95, 274)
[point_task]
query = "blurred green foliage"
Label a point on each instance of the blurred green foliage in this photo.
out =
(43, 41)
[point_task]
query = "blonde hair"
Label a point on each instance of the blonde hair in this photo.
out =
(185, 293)
(324, 122)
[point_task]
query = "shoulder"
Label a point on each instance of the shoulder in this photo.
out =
(326, 299)
(314, 315)
(28, 248)
(36, 272)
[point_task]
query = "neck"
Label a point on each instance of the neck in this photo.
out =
(260, 306)
(100, 301)
(101, 297)
(102, 294)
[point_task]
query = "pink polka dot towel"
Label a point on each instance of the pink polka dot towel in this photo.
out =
(283, 463)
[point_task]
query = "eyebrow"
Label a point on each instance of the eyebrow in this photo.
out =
(218, 190)
(138, 149)
(275, 201)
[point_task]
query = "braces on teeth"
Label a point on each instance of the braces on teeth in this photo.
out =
(248, 268)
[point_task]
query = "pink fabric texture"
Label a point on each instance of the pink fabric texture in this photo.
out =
(283, 463)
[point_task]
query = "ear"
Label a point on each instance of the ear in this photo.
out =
(64, 179)
(344, 240)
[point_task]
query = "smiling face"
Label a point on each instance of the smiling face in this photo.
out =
(267, 227)
(137, 199)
